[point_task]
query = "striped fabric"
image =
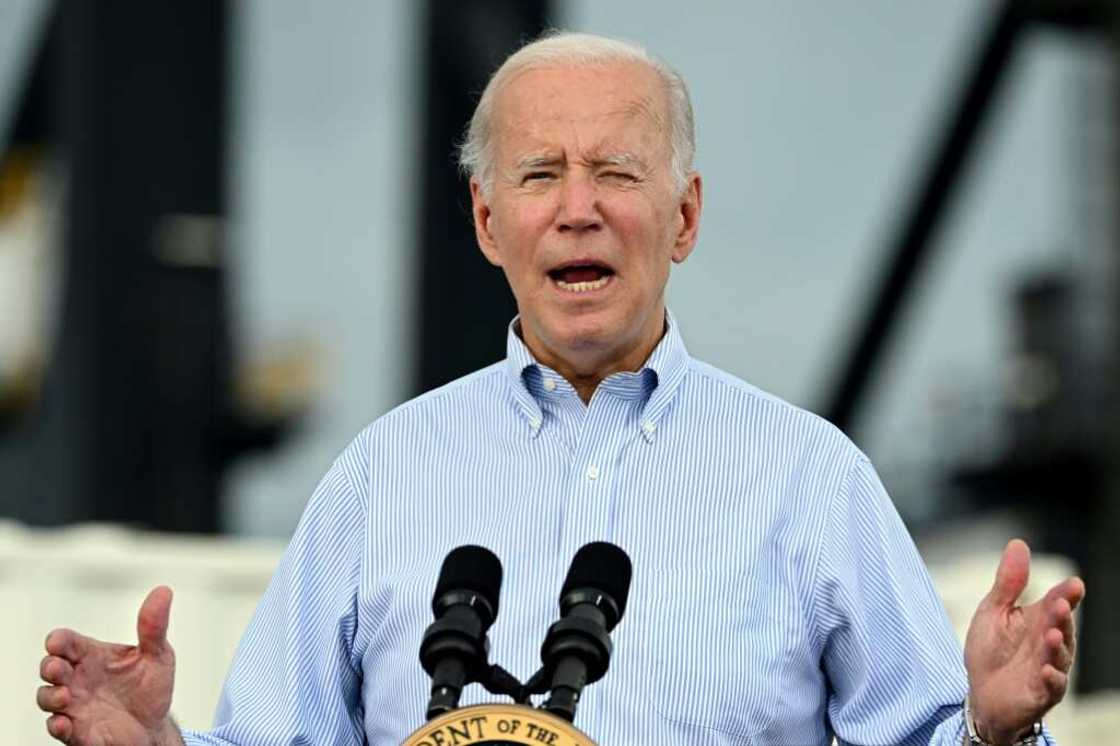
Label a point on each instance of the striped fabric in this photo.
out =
(777, 598)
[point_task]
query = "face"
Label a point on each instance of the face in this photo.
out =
(583, 216)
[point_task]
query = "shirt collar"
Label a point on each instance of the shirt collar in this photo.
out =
(658, 380)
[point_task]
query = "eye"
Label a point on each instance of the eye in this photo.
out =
(620, 176)
(536, 176)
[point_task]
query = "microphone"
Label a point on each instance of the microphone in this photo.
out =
(577, 649)
(455, 648)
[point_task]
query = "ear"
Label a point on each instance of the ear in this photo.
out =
(690, 205)
(480, 209)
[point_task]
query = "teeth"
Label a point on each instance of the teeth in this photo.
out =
(583, 287)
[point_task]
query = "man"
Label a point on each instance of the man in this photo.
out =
(777, 598)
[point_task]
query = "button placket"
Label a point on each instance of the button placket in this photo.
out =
(608, 431)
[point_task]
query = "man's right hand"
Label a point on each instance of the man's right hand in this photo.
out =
(104, 694)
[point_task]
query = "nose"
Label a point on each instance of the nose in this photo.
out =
(579, 204)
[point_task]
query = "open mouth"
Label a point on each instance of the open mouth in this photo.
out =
(582, 276)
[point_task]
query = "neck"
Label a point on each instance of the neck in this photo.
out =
(586, 368)
(585, 385)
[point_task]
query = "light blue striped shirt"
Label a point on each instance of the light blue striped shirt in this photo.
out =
(777, 597)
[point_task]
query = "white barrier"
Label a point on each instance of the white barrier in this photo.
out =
(1078, 721)
(93, 578)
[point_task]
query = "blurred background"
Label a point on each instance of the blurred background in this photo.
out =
(233, 233)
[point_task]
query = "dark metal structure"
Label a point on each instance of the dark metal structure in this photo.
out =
(136, 422)
(909, 248)
(1062, 465)
(465, 303)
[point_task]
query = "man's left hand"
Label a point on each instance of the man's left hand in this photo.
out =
(1018, 657)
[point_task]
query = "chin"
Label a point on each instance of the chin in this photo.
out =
(587, 332)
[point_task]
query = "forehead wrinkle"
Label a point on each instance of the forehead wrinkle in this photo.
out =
(548, 116)
(644, 105)
(541, 120)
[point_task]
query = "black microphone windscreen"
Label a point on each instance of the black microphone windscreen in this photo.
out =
(471, 568)
(602, 566)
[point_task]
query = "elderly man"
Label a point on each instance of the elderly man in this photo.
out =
(777, 598)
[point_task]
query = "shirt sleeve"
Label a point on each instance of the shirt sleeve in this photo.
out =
(894, 669)
(295, 678)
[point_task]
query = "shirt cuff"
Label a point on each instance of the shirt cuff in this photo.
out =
(952, 732)
(199, 738)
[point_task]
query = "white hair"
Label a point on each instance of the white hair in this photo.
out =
(476, 155)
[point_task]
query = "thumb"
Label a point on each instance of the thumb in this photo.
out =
(1012, 576)
(152, 621)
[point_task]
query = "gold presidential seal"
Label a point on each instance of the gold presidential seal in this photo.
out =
(497, 725)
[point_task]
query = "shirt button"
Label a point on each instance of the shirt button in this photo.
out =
(593, 472)
(648, 426)
(549, 384)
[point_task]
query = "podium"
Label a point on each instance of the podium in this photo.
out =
(497, 725)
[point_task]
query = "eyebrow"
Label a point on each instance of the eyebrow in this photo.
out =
(619, 159)
(540, 160)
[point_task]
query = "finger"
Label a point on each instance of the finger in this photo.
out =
(1069, 633)
(68, 644)
(1072, 590)
(1056, 683)
(1057, 653)
(60, 727)
(1012, 575)
(55, 670)
(1061, 619)
(52, 698)
(153, 619)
